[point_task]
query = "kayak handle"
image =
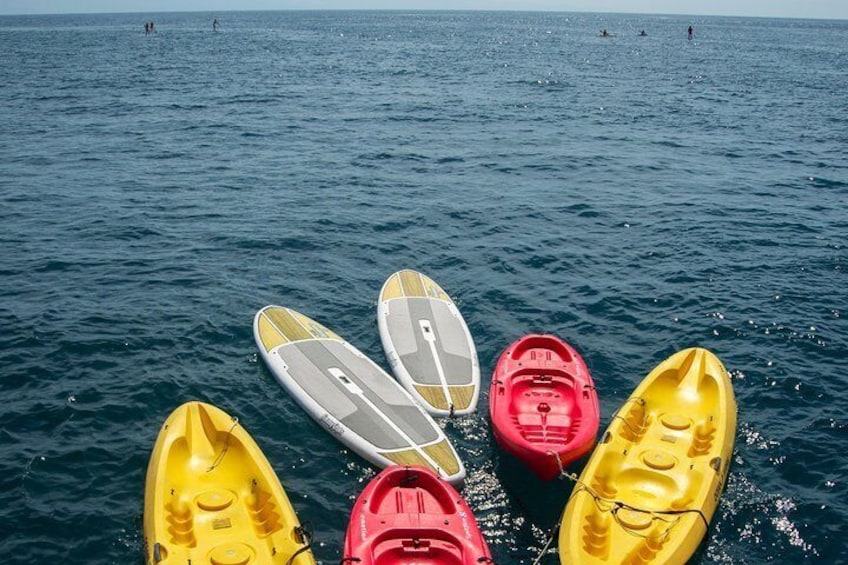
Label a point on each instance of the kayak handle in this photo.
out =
(715, 463)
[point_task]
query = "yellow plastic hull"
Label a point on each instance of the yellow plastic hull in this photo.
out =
(212, 498)
(652, 485)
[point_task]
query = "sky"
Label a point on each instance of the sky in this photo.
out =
(836, 9)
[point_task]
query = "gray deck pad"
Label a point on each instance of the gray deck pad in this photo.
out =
(415, 352)
(329, 373)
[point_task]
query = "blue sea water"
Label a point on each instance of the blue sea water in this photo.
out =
(633, 195)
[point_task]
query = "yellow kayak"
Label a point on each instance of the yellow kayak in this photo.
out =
(211, 497)
(652, 485)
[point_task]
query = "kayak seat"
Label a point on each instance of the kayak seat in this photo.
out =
(414, 498)
(694, 480)
(647, 488)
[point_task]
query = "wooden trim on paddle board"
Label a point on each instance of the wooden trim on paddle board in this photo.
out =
(443, 454)
(269, 334)
(412, 284)
(435, 397)
(440, 453)
(392, 288)
(279, 325)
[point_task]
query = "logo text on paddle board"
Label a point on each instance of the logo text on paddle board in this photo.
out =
(332, 425)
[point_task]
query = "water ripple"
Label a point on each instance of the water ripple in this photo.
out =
(632, 199)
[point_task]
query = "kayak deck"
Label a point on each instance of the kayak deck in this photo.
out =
(408, 515)
(543, 404)
(211, 495)
(651, 487)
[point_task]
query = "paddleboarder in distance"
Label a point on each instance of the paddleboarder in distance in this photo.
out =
(691, 32)
(215, 24)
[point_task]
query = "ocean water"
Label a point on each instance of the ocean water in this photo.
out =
(633, 195)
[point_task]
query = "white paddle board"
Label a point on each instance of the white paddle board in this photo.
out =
(428, 344)
(350, 395)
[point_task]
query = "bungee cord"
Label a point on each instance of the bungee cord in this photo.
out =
(220, 456)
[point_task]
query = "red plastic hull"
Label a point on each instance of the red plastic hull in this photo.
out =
(543, 404)
(409, 516)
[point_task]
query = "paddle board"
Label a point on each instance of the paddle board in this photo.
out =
(350, 395)
(428, 344)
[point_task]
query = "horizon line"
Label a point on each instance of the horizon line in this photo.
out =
(503, 10)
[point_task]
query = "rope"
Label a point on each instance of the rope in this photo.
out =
(545, 549)
(220, 456)
(613, 506)
(562, 472)
(302, 535)
(615, 415)
(554, 530)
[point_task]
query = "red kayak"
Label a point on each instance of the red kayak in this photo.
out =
(543, 404)
(409, 516)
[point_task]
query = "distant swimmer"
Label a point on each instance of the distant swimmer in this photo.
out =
(215, 24)
(691, 32)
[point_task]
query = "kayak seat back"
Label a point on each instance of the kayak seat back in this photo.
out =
(414, 494)
(418, 546)
(547, 350)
